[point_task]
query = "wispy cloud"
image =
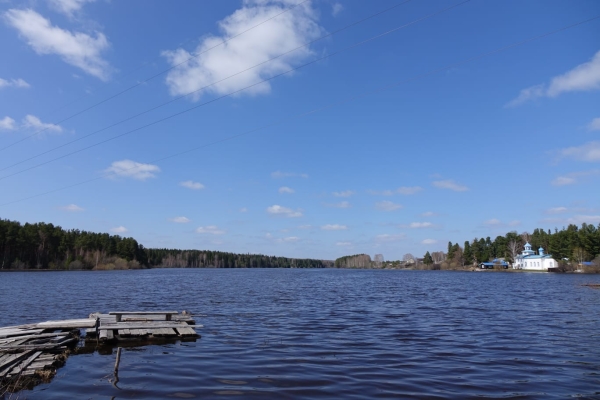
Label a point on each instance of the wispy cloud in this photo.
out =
(345, 193)
(428, 214)
(17, 83)
(76, 48)
(279, 175)
(343, 244)
(180, 220)
(341, 204)
(290, 239)
(132, 169)
(72, 208)
(429, 241)
(214, 71)
(556, 210)
(285, 189)
(493, 221)
(7, 124)
(450, 185)
(386, 237)
(574, 177)
(404, 190)
(589, 152)
(420, 225)
(387, 206)
(243, 210)
(69, 7)
(33, 122)
(192, 185)
(284, 211)
(334, 227)
(336, 9)
(119, 229)
(210, 230)
(584, 77)
(594, 125)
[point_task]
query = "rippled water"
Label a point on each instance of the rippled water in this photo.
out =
(329, 333)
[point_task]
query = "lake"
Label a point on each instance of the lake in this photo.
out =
(355, 334)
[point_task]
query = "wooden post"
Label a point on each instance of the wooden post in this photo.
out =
(118, 361)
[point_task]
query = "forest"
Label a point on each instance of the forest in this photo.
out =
(46, 246)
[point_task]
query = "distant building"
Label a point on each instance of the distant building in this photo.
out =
(497, 262)
(528, 260)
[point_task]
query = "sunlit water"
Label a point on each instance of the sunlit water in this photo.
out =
(329, 333)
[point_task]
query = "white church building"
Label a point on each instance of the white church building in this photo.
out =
(528, 260)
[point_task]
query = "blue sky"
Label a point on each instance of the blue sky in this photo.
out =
(409, 146)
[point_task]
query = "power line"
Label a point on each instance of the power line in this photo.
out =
(153, 76)
(326, 107)
(213, 100)
(207, 86)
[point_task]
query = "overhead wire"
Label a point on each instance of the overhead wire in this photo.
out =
(214, 99)
(207, 86)
(153, 76)
(323, 108)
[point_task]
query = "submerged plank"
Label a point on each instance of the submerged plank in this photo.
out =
(185, 331)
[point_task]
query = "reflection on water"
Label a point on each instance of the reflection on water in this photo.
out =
(328, 333)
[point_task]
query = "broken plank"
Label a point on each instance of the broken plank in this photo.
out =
(185, 331)
(24, 364)
(12, 360)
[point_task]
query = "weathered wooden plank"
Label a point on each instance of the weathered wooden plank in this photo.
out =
(186, 331)
(24, 364)
(166, 332)
(147, 325)
(19, 332)
(12, 360)
(166, 314)
(70, 323)
(106, 334)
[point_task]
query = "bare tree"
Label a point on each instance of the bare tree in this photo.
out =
(378, 260)
(409, 258)
(438, 256)
(514, 248)
(580, 255)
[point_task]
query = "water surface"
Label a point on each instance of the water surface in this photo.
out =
(361, 334)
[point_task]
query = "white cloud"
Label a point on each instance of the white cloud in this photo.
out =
(589, 152)
(305, 227)
(18, 83)
(588, 219)
(285, 189)
(132, 169)
(345, 193)
(584, 77)
(180, 220)
(212, 71)
(33, 122)
(418, 225)
(72, 208)
(7, 124)
(119, 229)
(386, 237)
(342, 204)
(574, 177)
(279, 174)
(514, 223)
(211, 230)
(556, 210)
(284, 211)
(493, 221)
(428, 214)
(563, 181)
(380, 193)
(429, 241)
(334, 227)
(343, 244)
(291, 239)
(409, 190)
(69, 7)
(450, 185)
(336, 8)
(594, 125)
(192, 185)
(76, 48)
(387, 206)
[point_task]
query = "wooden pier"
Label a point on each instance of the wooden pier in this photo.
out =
(31, 353)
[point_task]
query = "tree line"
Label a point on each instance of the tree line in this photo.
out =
(570, 245)
(46, 246)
